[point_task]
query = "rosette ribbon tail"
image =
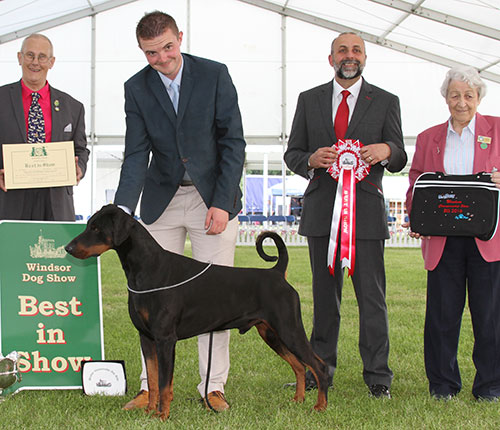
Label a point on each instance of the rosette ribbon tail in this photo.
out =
(348, 221)
(348, 169)
(334, 229)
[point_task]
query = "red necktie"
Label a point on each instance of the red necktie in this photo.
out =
(342, 116)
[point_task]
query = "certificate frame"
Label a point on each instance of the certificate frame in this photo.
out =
(39, 165)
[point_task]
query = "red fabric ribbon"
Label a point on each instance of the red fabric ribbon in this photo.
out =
(348, 169)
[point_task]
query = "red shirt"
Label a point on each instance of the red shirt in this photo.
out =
(44, 101)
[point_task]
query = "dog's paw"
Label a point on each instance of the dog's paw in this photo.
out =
(298, 399)
(163, 416)
(320, 407)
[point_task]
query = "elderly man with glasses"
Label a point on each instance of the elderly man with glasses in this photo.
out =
(32, 111)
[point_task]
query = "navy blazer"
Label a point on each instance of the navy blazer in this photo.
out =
(376, 118)
(68, 124)
(205, 138)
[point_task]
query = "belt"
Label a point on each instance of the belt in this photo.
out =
(186, 184)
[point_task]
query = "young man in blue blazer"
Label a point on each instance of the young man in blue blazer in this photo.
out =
(184, 152)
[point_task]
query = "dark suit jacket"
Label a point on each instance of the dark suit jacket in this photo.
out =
(376, 118)
(13, 130)
(205, 138)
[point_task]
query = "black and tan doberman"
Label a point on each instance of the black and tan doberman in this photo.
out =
(173, 297)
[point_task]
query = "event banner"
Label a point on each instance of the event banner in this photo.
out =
(50, 304)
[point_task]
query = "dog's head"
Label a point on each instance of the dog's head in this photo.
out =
(106, 229)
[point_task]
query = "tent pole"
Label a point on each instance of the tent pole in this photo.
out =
(188, 26)
(244, 186)
(283, 110)
(265, 181)
(93, 158)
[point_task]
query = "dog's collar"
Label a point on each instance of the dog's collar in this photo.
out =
(154, 290)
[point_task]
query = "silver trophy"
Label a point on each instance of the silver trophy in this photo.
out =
(9, 372)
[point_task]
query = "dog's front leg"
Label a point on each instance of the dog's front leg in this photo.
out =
(150, 357)
(166, 359)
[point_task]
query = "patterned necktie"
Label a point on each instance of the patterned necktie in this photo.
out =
(36, 123)
(342, 116)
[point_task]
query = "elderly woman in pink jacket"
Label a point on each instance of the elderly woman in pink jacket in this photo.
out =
(465, 144)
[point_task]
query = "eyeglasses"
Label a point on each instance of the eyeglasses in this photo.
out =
(30, 56)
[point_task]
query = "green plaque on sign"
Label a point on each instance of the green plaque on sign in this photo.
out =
(50, 304)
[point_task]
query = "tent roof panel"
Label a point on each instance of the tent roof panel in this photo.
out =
(391, 21)
(26, 13)
(357, 14)
(450, 42)
(19, 18)
(484, 12)
(409, 27)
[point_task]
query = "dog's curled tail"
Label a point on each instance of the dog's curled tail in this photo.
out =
(282, 257)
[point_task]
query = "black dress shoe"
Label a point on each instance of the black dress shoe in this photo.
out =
(494, 399)
(443, 397)
(311, 384)
(379, 391)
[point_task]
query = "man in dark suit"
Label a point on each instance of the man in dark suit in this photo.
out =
(63, 120)
(374, 119)
(184, 151)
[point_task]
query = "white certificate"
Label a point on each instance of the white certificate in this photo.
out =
(39, 165)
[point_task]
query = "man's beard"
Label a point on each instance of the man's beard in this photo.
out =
(348, 74)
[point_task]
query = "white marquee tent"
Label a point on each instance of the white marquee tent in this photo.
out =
(274, 50)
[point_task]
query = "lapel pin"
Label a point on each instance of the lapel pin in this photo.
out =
(484, 141)
(56, 105)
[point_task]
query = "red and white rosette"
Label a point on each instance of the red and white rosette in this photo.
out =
(347, 169)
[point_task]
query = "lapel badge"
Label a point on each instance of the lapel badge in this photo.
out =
(56, 105)
(484, 141)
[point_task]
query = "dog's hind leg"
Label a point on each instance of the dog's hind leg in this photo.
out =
(151, 358)
(303, 352)
(290, 329)
(271, 338)
(318, 369)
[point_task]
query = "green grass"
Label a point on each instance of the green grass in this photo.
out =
(257, 375)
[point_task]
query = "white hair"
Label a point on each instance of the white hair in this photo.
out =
(465, 74)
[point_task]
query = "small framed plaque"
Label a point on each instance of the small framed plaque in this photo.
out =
(39, 165)
(104, 377)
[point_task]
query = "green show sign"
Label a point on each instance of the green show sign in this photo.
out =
(50, 304)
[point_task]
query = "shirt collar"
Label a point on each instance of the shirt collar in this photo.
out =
(167, 81)
(471, 126)
(44, 91)
(353, 89)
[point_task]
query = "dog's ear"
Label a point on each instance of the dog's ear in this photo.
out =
(122, 224)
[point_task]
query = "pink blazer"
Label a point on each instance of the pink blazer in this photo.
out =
(429, 154)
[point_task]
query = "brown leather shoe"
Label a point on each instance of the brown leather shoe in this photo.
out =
(138, 402)
(217, 401)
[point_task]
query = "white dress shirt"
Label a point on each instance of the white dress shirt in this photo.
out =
(459, 150)
(351, 99)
